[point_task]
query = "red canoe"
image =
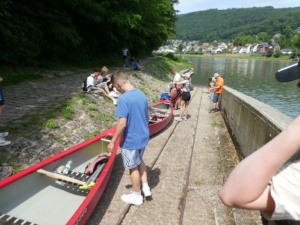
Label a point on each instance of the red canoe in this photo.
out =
(33, 195)
(161, 114)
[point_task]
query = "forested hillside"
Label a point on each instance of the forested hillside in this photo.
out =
(228, 24)
(35, 31)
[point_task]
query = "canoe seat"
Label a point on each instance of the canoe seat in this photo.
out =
(7, 219)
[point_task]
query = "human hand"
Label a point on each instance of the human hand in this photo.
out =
(110, 147)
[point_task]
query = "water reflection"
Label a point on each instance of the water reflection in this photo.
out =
(255, 78)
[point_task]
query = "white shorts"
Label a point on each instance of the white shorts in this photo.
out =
(285, 190)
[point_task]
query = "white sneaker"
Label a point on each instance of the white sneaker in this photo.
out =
(4, 134)
(4, 142)
(184, 118)
(114, 101)
(178, 119)
(146, 191)
(132, 199)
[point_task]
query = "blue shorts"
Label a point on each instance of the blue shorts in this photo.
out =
(1, 97)
(215, 97)
(132, 158)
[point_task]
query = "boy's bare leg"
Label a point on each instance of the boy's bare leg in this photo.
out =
(143, 172)
(135, 179)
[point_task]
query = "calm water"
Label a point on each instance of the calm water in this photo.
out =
(255, 78)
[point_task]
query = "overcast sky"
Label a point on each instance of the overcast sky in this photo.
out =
(186, 6)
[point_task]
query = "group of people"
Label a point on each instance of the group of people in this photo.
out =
(99, 82)
(268, 179)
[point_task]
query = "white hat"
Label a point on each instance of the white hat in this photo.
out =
(216, 75)
(186, 75)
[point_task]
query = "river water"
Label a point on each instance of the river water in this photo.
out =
(255, 78)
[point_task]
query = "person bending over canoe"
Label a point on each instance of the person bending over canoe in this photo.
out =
(269, 179)
(132, 111)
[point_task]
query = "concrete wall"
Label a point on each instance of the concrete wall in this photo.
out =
(251, 122)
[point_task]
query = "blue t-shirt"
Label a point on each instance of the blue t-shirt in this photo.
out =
(133, 105)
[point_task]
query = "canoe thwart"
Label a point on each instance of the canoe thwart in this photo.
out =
(159, 110)
(61, 177)
(106, 140)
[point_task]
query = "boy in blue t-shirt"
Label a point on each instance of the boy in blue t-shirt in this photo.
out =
(132, 111)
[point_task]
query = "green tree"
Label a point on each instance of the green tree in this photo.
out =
(263, 37)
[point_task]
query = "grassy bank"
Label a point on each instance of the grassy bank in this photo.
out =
(43, 133)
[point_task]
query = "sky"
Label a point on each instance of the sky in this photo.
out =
(187, 6)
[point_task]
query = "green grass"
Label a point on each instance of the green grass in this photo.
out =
(91, 134)
(52, 124)
(215, 124)
(198, 182)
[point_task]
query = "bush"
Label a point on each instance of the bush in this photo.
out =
(277, 54)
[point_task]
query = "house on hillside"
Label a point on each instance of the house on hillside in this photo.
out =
(216, 51)
(205, 44)
(222, 46)
(243, 50)
(263, 48)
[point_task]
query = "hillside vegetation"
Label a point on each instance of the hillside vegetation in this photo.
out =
(62, 31)
(214, 24)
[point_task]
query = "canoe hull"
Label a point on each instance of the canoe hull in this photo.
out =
(28, 194)
(156, 127)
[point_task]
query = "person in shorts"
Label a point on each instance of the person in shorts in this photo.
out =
(177, 78)
(132, 111)
(218, 90)
(269, 179)
(3, 142)
(185, 97)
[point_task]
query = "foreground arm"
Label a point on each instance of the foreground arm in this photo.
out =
(246, 187)
(120, 128)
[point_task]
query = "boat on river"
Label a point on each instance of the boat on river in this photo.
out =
(40, 195)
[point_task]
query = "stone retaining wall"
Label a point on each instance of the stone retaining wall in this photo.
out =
(250, 122)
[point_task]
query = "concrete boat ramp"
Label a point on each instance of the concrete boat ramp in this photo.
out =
(187, 164)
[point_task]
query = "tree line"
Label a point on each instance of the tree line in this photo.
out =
(32, 31)
(242, 26)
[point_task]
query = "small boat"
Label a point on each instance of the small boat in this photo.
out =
(38, 195)
(161, 114)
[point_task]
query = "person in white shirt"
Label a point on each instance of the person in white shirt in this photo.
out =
(93, 81)
(177, 78)
(185, 97)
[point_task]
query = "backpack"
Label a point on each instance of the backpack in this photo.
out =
(84, 87)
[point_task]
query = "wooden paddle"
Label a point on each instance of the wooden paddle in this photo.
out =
(61, 177)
